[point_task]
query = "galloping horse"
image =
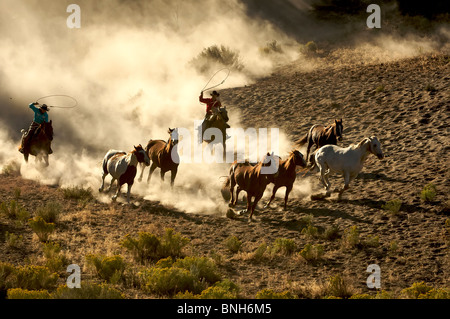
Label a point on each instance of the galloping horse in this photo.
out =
(347, 161)
(219, 121)
(123, 168)
(163, 155)
(251, 179)
(40, 143)
(320, 135)
(286, 175)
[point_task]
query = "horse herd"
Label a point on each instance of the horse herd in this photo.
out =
(248, 177)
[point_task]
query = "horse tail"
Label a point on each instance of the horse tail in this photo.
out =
(303, 140)
(225, 190)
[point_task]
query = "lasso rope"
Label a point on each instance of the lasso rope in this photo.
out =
(212, 87)
(58, 106)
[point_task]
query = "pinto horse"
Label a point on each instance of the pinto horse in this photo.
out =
(286, 175)
(347, 161)
(163, 155)
(40, 143)
(252, 179)
(123, 168)
(320, 135)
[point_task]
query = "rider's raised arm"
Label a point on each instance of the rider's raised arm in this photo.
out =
(33, 107)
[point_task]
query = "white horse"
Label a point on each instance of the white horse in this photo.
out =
(347, 161)
(123, 168)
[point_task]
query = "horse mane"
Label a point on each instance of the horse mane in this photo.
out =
(361, 143)
(286, 163)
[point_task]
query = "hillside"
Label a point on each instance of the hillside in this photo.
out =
(404, 102)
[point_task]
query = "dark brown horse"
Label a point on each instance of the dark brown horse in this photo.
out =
(320, 135)
(219, 121)
(286, 175)
(163, 155)
(40, 143)
(251, 179)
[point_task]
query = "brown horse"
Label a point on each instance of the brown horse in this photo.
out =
(40, 143)
(251, 179)
(219, 121)
(286, 175)
(163, 155)
(320, 135)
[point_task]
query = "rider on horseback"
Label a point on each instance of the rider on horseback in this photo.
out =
(213, 107)
(40, 116)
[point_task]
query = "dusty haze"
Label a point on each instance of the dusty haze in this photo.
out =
(128, 68)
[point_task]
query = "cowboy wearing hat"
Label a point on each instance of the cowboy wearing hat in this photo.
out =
(213, 106)
(40, 116)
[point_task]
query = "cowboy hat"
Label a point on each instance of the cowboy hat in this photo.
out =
(44, 107)
(215, 93)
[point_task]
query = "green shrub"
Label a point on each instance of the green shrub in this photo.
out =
(417, 290)
(150, 247)
(350, 239)
(361, 296)
(170, 281)
(13, 240)
(6, 275)
(392, 206)
(260, 252)
(221, 290)
(33, 277)
(55, 260)
(202, 268)
(50, 212)
(428, 193)
(214, 57)
(384, 295)
(18, 293)
(284, 246)
(310, 48)
(14, 210)
(310, 231)
(109, 268)
(78, 193)
(338, 287)
(233, 244)
(88, 291)
(312, 253)
(270, 294)
(42, 229)
(331, 233)
(380, 88)
(372, 241)
(270, 48)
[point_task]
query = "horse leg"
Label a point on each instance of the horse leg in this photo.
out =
(275, 188)
(129, 191)
(255, 202)
(346, 184)
(232, 184)
(238, 190)
(45, 156)
(286, 195)
(152, 169)
(111, 185)
(118, 191)
(162, 173)
(172, 176)
(142, 172)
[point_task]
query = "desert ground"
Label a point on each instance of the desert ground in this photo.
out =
(402, 101)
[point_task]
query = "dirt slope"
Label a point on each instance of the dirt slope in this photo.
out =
(390, 100)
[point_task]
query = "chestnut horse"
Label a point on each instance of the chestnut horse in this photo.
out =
(252, 179)
(320, 135)
(123, 168)
(163, 155)
(40, 143)
(286, 175)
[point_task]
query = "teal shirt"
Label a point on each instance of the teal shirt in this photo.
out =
(38, 116)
